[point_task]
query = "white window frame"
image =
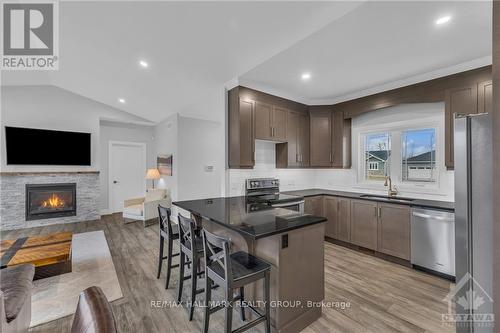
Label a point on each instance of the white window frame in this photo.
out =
(370, 166)
(395, 130)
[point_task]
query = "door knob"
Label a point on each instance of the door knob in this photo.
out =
(115, 182)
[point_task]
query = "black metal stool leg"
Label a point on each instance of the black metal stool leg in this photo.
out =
(160, 257)
(181, 277)
(208, 299)
(242, 300)
(169, 262)
(268, 300)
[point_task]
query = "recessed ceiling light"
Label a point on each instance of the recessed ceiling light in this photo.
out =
(121, 100)
(143, 64)
(443, 20)
(306, 76)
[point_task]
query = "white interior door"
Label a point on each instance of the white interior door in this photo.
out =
(127, 169)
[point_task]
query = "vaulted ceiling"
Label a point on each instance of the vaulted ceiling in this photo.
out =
(193, 48)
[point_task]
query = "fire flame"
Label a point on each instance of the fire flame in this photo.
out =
(53, 202)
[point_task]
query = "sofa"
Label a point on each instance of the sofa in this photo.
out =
(146, 208)
(16, 285)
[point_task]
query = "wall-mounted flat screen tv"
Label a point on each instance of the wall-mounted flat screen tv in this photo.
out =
(30, 146)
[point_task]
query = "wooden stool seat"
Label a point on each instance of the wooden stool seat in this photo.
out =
(243, 266)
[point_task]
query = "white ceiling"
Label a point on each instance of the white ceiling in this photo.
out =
(379, 45)
(192, 48)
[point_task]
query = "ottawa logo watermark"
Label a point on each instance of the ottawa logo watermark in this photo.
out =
(469, 305)
(30, 38)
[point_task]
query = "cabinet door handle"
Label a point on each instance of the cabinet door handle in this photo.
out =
(375, 211)
(379, 211)
(330, 157)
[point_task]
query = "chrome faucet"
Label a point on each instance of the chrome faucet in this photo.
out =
(390, 191)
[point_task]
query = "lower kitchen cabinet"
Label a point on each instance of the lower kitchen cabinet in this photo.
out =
(331, 205)
(394, 230)
(344, 219)
(364, 223)
(314, 205)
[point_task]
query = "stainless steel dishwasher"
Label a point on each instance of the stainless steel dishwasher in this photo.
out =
(433, 240)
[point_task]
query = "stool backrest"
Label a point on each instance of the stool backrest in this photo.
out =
(165, 223)
(216, 249)
(186, 232)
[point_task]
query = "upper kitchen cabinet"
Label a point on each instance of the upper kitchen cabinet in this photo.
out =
(263, 121)
(472, 98)
(241, 142)
(270, 122)
(295, 152)
(330, 137)
(485, 97)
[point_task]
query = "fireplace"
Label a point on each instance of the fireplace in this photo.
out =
(45, 201)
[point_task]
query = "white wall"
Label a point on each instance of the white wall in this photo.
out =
(199, 147)
(110, 131)
(166, 144)
(265, 166)
(53, 108)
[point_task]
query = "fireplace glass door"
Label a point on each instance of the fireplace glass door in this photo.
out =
(50, 200)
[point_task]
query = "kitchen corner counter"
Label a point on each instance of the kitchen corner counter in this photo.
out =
(291, 242)
(232, 213)
(434, 204)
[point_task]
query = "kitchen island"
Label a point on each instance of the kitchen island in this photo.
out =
(290, 241)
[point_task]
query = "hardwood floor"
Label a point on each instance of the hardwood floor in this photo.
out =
(383, 296)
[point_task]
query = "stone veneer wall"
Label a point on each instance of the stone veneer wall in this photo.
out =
(13, 197)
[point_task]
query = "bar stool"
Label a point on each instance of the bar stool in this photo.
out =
(233, 271)
(191, 246)
(170, 233)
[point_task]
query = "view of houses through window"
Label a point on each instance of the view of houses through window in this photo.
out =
(417, 154)
(377, 156)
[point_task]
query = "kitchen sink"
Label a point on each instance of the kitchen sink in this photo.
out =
(385, 197)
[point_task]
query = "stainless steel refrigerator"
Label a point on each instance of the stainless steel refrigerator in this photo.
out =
(473, 223)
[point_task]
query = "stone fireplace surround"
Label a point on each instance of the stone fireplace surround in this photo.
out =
(13, 197)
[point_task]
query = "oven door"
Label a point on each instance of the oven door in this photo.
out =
(297, 206)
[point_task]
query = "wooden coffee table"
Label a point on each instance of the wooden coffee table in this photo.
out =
(51, 254)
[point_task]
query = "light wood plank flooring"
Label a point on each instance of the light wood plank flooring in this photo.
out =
(383, 296)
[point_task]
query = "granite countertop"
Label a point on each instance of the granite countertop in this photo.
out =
(444, 205)
(232, 213)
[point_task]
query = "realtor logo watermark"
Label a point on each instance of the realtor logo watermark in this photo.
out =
(30, 39)
(473, 305)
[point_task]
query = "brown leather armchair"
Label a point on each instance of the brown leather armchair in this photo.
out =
(93, 314)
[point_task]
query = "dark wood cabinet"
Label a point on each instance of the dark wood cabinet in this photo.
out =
(321, 137)
(485, 97)
(474, 98)
(279, 127)
(364, 224)
(394, 230)
(330, 136)
(241, 146)
(344, 219)
(331, 209)
(314, 205)
(304, 140)
(461, 100)
(270, 122)
(295, 152)
(263, 121)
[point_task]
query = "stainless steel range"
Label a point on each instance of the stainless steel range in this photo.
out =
(264, 193)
